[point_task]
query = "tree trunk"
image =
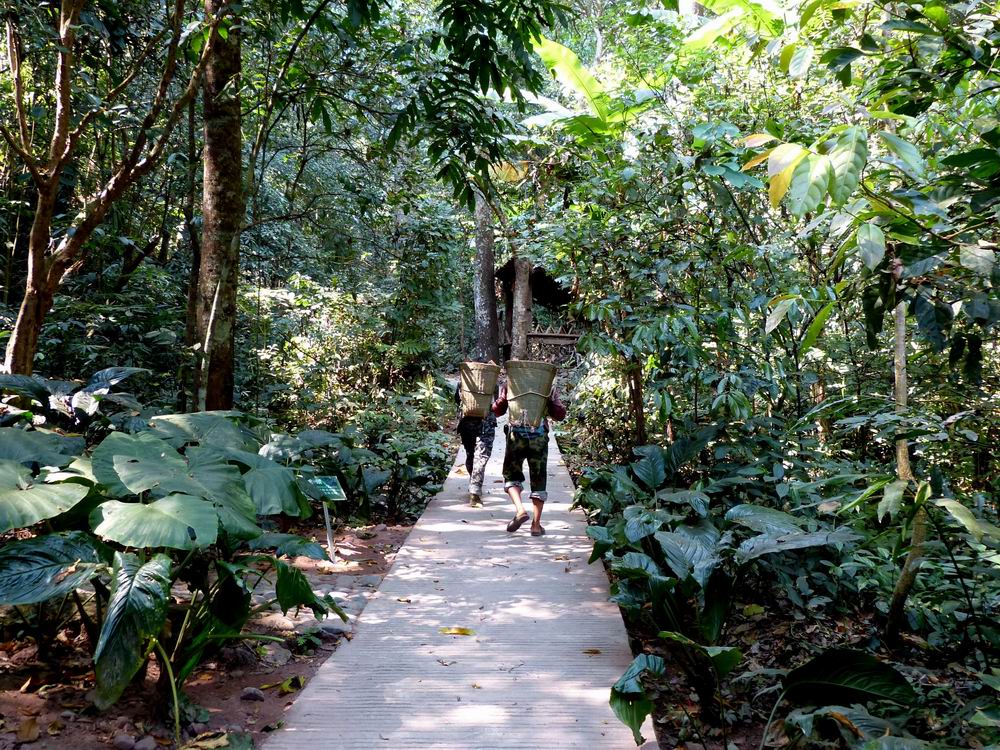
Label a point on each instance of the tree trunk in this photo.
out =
(521, 323)
(222, 212)
(37, 300)
(637, 402)
(908, 574)
(484, 287)
(186, 388)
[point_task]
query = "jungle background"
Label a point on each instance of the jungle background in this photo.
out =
(244, 243)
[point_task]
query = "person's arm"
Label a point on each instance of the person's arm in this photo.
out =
(500, 405)
(557, 410)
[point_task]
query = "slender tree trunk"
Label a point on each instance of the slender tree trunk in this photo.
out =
(522, 309)
(484, 287)
(918, 534)
(637, 401)
(186, 389)
(222, 212)
(38, 295)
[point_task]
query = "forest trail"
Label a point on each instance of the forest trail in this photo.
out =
(536, 673)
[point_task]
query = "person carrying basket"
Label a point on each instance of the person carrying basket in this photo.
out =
(527, 435)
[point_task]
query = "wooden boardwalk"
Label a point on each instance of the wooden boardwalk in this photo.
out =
(536, 673)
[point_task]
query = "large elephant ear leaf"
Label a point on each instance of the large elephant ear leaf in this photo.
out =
(144, 446)
(24, 502)
(292, 590)
(35, 570)
(842, 675)
(136, 613)
(104, 380)
(34, 447)
(217, 429)
(175, 521)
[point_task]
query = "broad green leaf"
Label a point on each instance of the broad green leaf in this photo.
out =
(977, 258)
(871, 245)
(892, 499)
(215, 429)
(768, 544)
(708, 33)
(292, 590)
(23, 502)
(975, 526)
(816, 328)
(778, 186)
(844, 675)
(290, 545)
(104, 380)
(762, 15)
(688, 557)
(810, 182)
(764, 520)
(641, 522)
(800, 62)
(628, 697)
(848, 158)
(143, 445)
(175, 521)
(906, 151)
(571, 73)
(43, 567)
(724, 658)
(136, 613)
(36, 447)
(603, 541)
(777, 314)
(635, 565)
(650, 470)
(271, 485)
(28, 386)
(698, 501)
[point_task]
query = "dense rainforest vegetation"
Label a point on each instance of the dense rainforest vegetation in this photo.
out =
(244, 242)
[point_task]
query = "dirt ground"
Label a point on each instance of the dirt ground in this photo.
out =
(237, 697)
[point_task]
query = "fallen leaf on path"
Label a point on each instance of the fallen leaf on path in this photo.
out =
(404, 600)
(446, 662)
(272, 727)
(457, 631)
(592, 651)
(26, 685)
(209, 741)
(291, 685)
(561, 557)
(753, 609)
(28, 731)
(476, 686)
(55, 728)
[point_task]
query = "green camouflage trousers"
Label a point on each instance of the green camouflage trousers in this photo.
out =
(534, 449)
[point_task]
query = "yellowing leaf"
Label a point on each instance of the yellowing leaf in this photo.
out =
(757, 160)
(779, 185)
(758, 139)
(28, 731)
(784, 156)
(456, 631)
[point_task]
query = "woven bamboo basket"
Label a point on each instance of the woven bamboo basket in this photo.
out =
(479, 381)
(528, 387)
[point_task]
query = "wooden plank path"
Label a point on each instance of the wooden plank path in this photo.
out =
(537, 672)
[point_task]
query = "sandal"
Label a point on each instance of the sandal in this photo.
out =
(517, 521)
(540, 531)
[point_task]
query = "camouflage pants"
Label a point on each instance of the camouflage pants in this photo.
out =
(534, 449)
(477, 439)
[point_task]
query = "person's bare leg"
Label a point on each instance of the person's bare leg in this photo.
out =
(536, 522)
(515, 496)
